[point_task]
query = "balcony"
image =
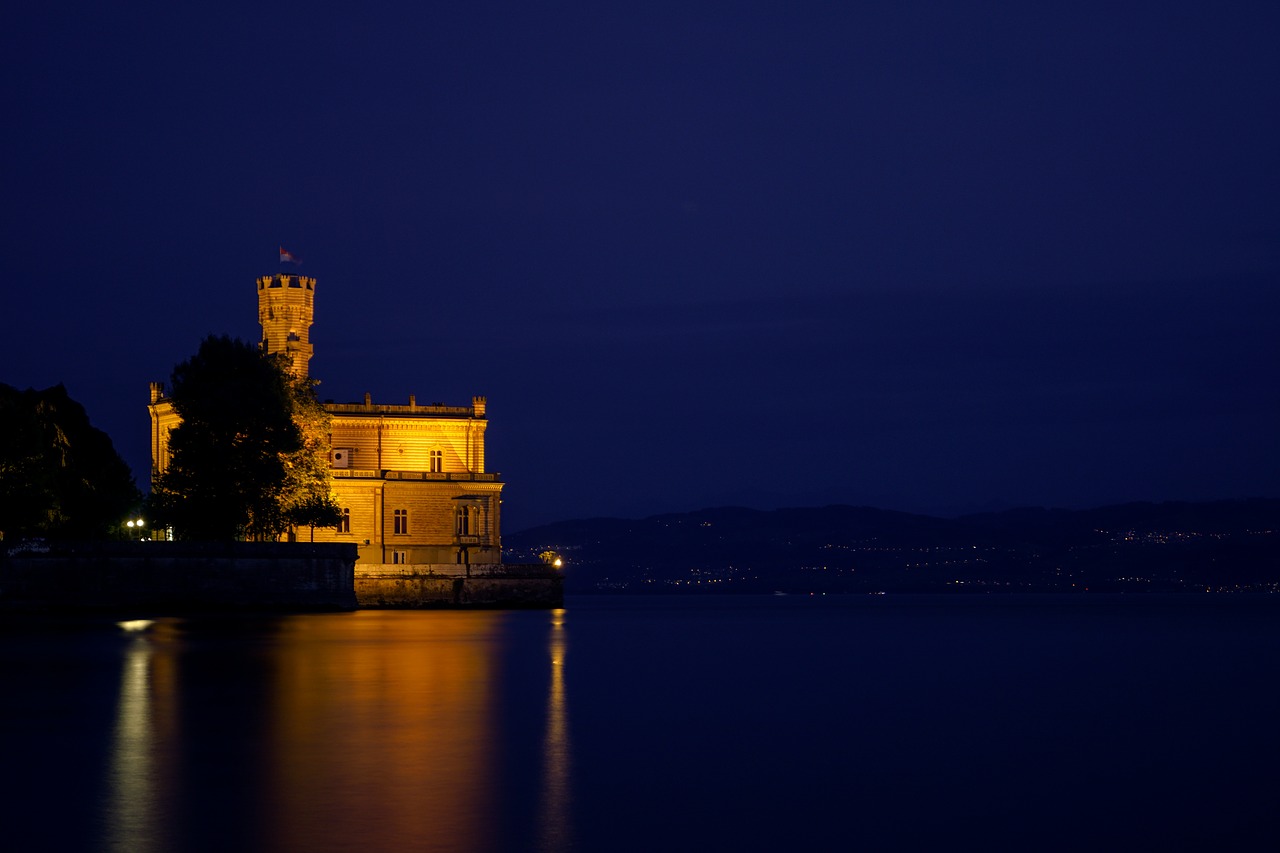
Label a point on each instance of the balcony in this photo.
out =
(438, 410)
(440, 476)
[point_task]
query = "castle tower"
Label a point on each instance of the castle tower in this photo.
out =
(285, 309)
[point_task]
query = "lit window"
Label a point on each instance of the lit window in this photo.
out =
(402, 521)
(344, 524)
(437, 461)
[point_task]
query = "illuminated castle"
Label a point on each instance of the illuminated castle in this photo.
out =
(410, 479)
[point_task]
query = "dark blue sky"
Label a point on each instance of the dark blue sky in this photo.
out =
(931, 256)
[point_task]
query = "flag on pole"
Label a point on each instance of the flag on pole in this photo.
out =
(287, 257)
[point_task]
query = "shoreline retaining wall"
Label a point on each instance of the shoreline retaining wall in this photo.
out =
(498, 586)
(147, 578)
(140, 579)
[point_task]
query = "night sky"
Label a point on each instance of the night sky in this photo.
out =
(939, 257)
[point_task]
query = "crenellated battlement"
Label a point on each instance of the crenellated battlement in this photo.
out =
(286, 282)
(286, 307)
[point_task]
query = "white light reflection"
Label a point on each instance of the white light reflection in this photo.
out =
(133, 819)
(555, 821)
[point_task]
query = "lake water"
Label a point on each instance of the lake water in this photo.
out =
(650, 724)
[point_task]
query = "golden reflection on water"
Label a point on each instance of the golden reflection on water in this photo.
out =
(381, 729)
(555, 823)
(368, 730)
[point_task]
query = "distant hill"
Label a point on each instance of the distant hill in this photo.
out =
(1183, 547)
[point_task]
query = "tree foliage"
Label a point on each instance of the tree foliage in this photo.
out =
(307, 499)
(60, 478)
(250, 452)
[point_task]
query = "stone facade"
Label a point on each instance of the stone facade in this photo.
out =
(410, 479)
(412, 482)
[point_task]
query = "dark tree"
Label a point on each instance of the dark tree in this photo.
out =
(228, 475)
(60, 478)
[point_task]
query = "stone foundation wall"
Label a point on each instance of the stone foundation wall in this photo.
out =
(494, 586)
